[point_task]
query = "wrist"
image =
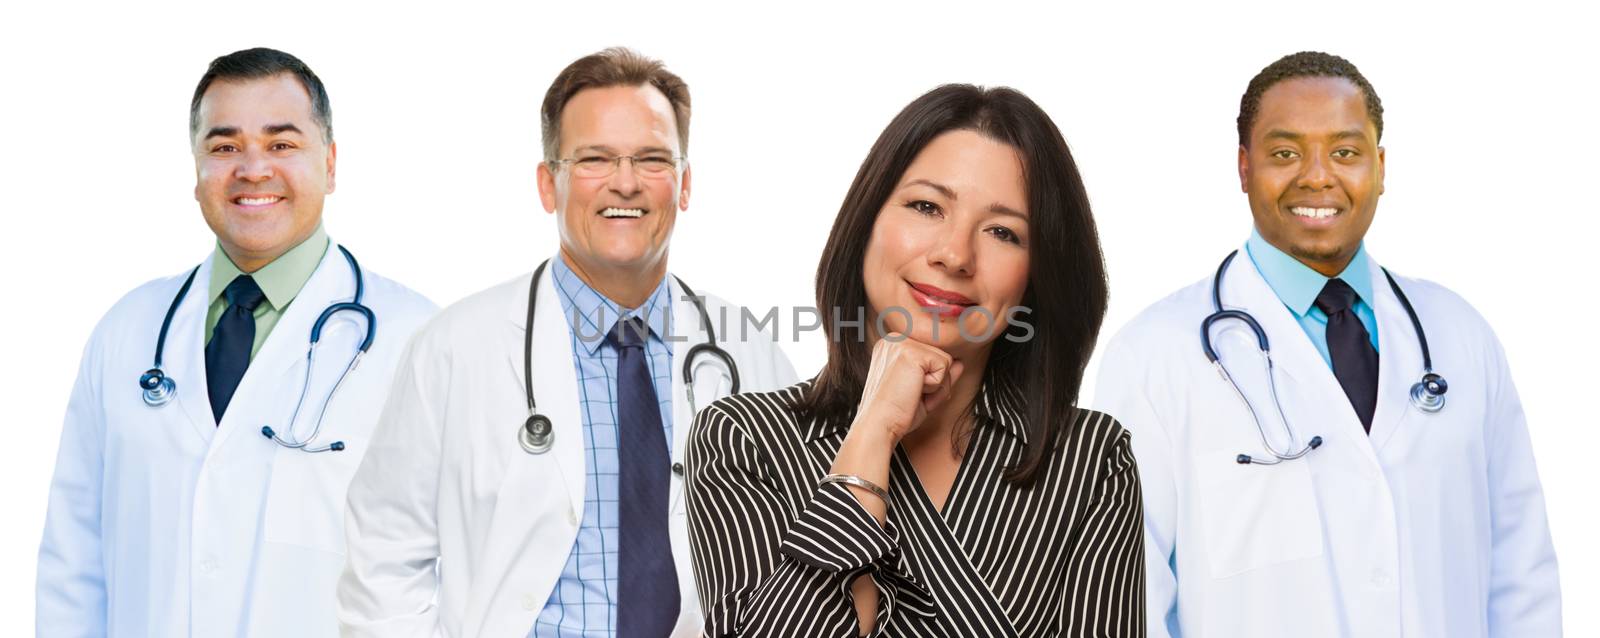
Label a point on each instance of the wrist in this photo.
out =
(874, 432)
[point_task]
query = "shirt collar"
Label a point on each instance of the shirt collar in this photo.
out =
(590, 313)
(998, 405)
(1296, 284)
(279, 280)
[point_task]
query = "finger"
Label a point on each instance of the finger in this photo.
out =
(935, 365)
(933, 400)
(943, 391)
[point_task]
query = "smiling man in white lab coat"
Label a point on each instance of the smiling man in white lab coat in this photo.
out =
(494, 508)
(1355, 509)
(171, 514)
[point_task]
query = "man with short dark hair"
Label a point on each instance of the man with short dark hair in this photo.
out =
(208, 500)
(1340, 486)
(529, 478)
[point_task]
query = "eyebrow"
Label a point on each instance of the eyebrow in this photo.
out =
(222, 131)
(1280, 134)
(1003, 209)
(274, 129)
(270, 129)
(601, 148)
(943, 190)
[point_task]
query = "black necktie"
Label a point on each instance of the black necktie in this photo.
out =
(228, 354)
(1355, 361)
(647, 582)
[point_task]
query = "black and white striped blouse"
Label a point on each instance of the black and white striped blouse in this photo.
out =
(774, 552)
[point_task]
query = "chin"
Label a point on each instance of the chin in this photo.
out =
(262, 241)
(1316, 251)
(625, 256)
(949, 338)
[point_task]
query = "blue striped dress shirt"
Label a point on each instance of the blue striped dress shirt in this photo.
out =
(584, 603)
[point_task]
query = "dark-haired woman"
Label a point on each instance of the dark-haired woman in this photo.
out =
(937, 478)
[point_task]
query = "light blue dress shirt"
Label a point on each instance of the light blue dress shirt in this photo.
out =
(584, 603)
(1297, 286)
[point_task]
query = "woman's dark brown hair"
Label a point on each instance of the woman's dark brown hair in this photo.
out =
(1066, 273)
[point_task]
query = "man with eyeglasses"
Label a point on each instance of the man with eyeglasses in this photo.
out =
(494, 504)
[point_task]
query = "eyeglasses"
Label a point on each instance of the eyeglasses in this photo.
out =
(601, 166)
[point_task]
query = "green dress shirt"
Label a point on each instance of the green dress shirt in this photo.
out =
(280, 280)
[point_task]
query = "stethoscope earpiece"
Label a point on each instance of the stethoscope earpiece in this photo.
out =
(158, 387)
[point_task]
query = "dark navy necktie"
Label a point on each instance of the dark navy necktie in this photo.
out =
(647, 581)
(228, 354)
(1355, 361)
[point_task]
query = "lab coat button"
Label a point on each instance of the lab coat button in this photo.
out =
(1380, 578)
(529, 602)
(208, 566)
(572, 517)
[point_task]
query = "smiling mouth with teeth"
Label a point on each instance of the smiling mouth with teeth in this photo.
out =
(1314, 213)
(256, 201)
(626, 213)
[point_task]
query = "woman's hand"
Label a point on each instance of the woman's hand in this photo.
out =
(907, 380)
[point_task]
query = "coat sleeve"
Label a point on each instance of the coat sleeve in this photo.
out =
(1122, 390)
(762, 574)
(70, 596)
(391, 524)
(1105, 589)
(1524, 588)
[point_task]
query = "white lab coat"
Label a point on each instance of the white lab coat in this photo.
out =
(447, 479)
(163, 523)
(1434, 525)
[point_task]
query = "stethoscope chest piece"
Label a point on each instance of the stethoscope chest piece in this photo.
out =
(1428, 394)
(536, 434)
(158, 387)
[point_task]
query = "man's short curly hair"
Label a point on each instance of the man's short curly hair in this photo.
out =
(1301, 65)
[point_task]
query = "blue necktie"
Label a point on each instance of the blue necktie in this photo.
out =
(228, 354)
(647, 600)
(1355, 361)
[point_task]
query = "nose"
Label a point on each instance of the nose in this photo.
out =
(953, 251)
(1315, 176)
(625, 182)
(254, 166)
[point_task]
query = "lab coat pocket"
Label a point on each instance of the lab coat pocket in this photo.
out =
(1256, 516)
(305, 503)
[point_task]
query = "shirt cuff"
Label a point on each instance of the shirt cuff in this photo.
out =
(834, 533)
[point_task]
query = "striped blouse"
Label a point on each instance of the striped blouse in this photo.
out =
(774, 552)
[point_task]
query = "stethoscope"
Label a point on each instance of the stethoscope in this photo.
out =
(159, 387)
(537, 434)
(1427, 394)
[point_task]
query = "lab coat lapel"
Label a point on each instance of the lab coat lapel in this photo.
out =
(525, 536)
(184, 357)
(555, 388)
(1312, 398)
(711, 379)
(266, 392)
(1399, 359)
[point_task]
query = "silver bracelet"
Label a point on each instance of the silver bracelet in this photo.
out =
(851, 479)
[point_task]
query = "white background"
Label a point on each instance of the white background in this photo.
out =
(1489, 128)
